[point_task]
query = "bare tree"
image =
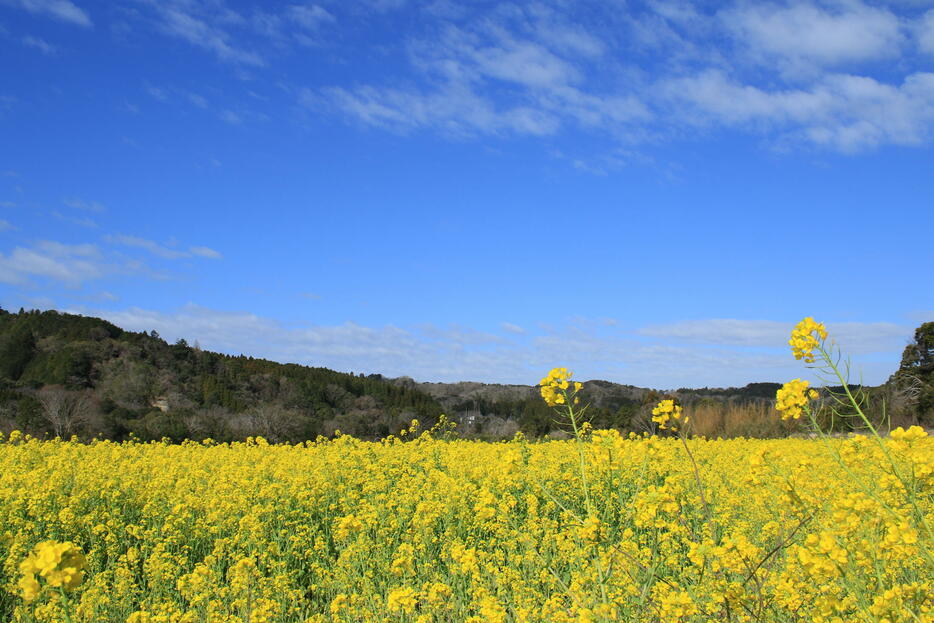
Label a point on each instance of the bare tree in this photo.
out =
(62, 409)
(273, 422)
(903, 396)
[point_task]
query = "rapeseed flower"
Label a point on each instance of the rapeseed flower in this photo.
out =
(791, 399)
(667, 414)
(554, 387)
(60, 565)
(806, 336)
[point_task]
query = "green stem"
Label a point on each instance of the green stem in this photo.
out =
(61, 593)
(885, 451)
(697, 479)
(583, 471)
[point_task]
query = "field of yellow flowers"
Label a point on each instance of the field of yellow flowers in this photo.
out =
(434, 530)
(602, 527)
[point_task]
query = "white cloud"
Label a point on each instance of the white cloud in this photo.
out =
(853, 337)
(177, 22)
(90, 206)
(845, 112)
(68, 264)
(6, 225)
(198, 100)
(62, 10)
(163, 251)
(81, 221)
(205, 252)
(802, 33)
(39, 44)
(158, 93)
(431, 353)
(231, 36)
(488, 81)
(925, 32)
(512, 328)
(308, 16)
(464, 336)
(228, 116)
(795, 73)
(452, 109)
(153, 247)
(499, 55)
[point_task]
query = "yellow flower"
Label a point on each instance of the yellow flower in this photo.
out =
(401, 600)
(438, 593)
(339, 602)
(806, 336)
(29, 586)
(59, 564)
(554, 386)
(792, 398)
(666, 411)
(913, 433)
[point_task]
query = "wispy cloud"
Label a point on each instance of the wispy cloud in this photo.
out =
(89, 206)
(165, 252)
(683, 356)
(298, 23)
(6, 225)
(845, 112)
(489, 80)
(801, 34)
(71, 265)
(82, 221)
(925, 32)
(229, 116)
(39, 44)
(512, 328)
(157, 93)
(205, 252)
(177, 20)
(854, 337)
(62, 10)
(835, 76)
(198, 100)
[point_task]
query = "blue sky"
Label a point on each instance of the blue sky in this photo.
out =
(650, 193)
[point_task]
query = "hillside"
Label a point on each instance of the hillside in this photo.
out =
(64, 374)
(67, 374)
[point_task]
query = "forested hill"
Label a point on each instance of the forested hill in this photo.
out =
(63, 374)
(67, 374)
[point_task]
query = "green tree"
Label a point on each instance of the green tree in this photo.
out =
(16, 351)
(915, 376)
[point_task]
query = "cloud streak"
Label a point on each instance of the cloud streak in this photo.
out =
(61, 10)
(854, 337)
(162, 251)
(71, 265)
(837, 77)
(691, 354)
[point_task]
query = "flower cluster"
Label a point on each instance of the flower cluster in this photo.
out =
(667, 411)
(792, 398)
(402, 600)
(806, 336)
(61, 565)
(914, 433)
(555, 386)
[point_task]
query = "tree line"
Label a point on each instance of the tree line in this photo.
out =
(64, 374)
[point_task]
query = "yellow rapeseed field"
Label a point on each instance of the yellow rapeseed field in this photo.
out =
(604, 527)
